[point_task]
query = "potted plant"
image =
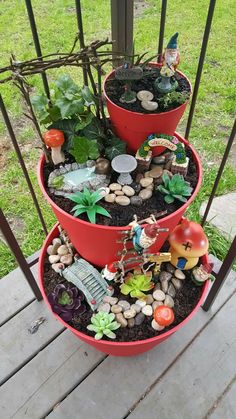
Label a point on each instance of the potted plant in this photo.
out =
(151, 108)
(67, 303)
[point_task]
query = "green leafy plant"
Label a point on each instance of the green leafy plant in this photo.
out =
(173, 99)
(87, 202)
(175, 188)
(103, 324)
(84, 149)
(135, 283)
(58, 182)
(67, 101)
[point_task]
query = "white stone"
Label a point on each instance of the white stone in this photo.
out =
(62, 250)
(144, 95)
(158, 295)
(105, 307)
(145, 194)
(148, 105)
(156, 326)
(169, 301)
(56, 240)
(119, 193)
(54, 258)
(124, 305)
(147, 310)
(110, 198)
(122, 200)
(136, 307)
(110, 300)
(128, 191)
(156, 304)
(146, 181)
(140, 303)
(67, 259)
(129, 314)
(179, 274)
(115, 187)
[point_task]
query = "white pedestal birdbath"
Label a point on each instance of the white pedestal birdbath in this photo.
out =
(124, 164)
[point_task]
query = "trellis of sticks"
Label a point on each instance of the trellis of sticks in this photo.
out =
(88, 58)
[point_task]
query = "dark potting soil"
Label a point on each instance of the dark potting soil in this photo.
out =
(115, 89)
(185, 300)
(122, 216)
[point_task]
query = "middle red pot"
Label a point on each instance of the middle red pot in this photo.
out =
(100, 244)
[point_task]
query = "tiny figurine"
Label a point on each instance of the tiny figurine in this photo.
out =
(144, 237)
(54, 138)
(110, 271)
(171, 55)
(124, 164)
(188, 242)
(154, 144)
(202, 273)
(165, 83)
(128, 73)
(87, 279)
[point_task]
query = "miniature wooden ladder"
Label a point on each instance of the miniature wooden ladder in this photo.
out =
(85, 277)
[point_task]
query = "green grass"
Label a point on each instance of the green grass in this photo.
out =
(57, 27)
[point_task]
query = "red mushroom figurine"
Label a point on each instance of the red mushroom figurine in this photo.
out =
(188, 242)
(164, 315)
(54, 138)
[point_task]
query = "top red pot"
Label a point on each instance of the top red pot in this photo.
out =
(134, 127)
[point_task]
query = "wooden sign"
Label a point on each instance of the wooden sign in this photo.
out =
(155, 142)
(128, 73)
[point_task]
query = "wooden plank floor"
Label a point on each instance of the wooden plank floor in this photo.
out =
(53, 374)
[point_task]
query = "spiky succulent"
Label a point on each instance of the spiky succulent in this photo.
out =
(135, 283)
(66, 301)
(103, 324)
(175, 188)
(87, 202)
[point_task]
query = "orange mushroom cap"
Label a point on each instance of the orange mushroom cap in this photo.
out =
(164, 315)
(54, 138)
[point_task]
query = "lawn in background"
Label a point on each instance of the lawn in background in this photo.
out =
(57, 28)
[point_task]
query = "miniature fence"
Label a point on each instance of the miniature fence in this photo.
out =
(122, 33)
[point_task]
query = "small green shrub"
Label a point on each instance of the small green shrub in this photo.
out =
(136, 283)
(87, 202)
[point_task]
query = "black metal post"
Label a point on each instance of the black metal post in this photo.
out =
(12, 243)
(36, 43)
(81, 35)
(221, 276)
(220, 171)
(162, 29)
(200, 65)
(21, 161)
(122, 15)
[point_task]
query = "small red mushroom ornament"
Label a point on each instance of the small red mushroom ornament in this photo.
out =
(188, 242)
(54, 138)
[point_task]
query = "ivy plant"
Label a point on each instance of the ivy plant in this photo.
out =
(83, 149)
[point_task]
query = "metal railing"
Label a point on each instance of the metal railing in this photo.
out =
(122, 34)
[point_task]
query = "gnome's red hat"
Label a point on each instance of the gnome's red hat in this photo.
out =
(111, 268)
(151, 230)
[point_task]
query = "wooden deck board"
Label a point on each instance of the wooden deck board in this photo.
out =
(48, 378)
(15, 293)
(200, 376)
(123, 381)
(225, 407)
(17, 344)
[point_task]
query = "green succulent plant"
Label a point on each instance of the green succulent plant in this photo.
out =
(103, 324)
(136, 283)
(87, 202)
(175, 188)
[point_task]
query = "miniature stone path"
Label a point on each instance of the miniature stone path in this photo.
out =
(51, 373)
(223, 214)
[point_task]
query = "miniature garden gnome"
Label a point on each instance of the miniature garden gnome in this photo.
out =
(54, 138)
(109, 272)
(144, 237)
(188, 242)
(171, 55)
(202, 273)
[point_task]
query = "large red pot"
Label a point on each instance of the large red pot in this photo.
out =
(99, 244)
(134, 127)
(109, 347)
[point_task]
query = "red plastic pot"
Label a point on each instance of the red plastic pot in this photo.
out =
(109, 347)
(99, 244)
(134, 127)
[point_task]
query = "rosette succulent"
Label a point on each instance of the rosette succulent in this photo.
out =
(103, 324)
(175, 188)
(66, 301)
(136, 283)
